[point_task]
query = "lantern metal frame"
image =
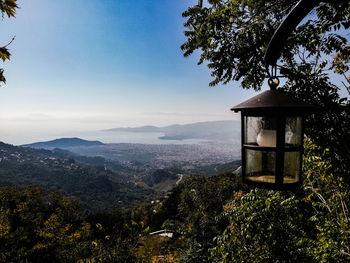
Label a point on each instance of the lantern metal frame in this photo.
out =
(278, 105)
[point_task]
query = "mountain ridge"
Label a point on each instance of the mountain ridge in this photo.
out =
(62, 143)
(211, 130)
(153, 128)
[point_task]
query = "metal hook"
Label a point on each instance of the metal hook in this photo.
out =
(273, 82)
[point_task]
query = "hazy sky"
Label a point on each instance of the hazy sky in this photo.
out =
(81, 65)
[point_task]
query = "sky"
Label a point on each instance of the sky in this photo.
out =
(85, 65)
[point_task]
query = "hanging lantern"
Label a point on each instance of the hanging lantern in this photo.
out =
(272, 139)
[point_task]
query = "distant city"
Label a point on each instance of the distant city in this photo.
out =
(188, 146)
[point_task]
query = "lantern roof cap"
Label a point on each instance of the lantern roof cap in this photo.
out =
(273, 99)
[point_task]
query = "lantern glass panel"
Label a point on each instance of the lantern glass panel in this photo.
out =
(260, 166)
(291, 167)
(260, 131)
(293, 136)
(252, 128)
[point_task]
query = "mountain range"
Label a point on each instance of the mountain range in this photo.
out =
(213, 130)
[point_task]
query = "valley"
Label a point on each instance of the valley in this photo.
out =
(106, 176)
(109, 176)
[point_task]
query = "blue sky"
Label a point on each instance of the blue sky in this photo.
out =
(81, 65)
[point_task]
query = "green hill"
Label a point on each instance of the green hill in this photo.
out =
(97, 188)
(63, 143)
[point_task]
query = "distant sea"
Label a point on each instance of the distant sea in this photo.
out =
(103, 136)
(135, 137)
(212, 132)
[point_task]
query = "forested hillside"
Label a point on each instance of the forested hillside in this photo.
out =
(97, 188)
(98, 184)
(62, 234)
(212, 219)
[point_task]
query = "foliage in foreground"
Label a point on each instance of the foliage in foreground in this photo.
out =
(39, 227)
(271, 226)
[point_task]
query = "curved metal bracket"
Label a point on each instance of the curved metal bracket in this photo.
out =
(279, 38)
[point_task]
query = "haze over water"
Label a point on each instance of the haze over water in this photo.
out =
(115, 64)
(25, 135)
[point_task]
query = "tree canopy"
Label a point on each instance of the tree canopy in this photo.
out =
(232, 36)
(7, 8)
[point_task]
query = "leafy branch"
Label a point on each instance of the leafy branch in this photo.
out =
(7, 7)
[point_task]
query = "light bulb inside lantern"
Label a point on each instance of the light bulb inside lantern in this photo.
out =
(267, 138)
